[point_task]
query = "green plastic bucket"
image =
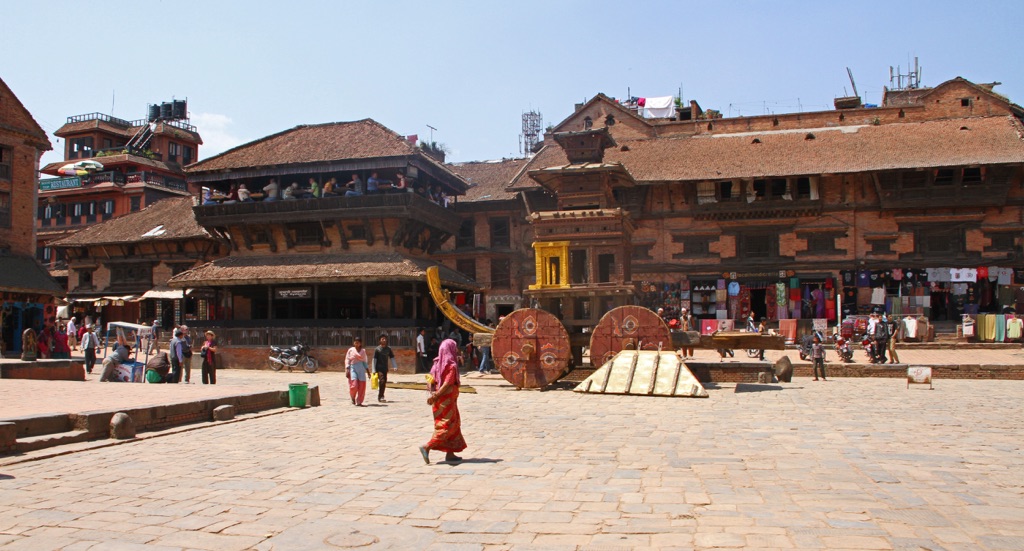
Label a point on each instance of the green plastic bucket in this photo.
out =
(297, 394)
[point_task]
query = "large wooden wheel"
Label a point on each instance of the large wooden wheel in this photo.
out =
(531, 348)
(627, 328)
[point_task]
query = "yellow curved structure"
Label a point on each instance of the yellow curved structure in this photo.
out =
(440, 297)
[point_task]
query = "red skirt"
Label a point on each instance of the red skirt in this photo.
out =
(447, 424)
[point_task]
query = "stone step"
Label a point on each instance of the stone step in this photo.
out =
(32, 443)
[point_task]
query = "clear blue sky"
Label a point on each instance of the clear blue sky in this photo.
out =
(470, 69)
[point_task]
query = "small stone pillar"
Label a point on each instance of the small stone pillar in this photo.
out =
(224, 413)
(122, 427)
(8, 437)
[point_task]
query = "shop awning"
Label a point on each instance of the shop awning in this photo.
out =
(317, 268)
(163, 294)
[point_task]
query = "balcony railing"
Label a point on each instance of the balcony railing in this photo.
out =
(111, 176)
(121, 122)
(157, 179)
(389, 205)
(98, 117)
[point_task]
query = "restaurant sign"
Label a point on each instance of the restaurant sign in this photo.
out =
(51, 184)
(293, 292)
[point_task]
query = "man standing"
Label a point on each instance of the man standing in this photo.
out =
(421, 352)
(72, 332)
(186, 353)
(382, 357)
(176, 357)
(89, 345)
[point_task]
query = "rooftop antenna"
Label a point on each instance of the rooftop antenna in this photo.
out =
(910, 81)
(432, 129)
(532, 124)
(112, 94)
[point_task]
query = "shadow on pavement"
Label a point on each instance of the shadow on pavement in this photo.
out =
(469, 460)
(744, 387)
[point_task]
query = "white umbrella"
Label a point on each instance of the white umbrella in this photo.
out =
(89, 165)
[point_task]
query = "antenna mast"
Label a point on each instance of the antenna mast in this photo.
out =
(528, 140)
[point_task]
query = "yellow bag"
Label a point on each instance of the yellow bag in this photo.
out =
(373, 380)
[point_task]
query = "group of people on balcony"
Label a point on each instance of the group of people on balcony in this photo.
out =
(356, 187)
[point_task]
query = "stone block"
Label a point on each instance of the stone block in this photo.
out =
(8, 437)
(224, 413)
(122, 427)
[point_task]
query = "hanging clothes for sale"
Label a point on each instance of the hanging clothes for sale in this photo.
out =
(1014, 328)
(771, 302)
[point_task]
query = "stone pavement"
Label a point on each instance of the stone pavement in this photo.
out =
(843, 464)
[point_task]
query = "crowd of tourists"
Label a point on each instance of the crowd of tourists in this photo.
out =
(355, 187)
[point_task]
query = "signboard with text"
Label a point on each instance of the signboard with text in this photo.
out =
(293, 292)
(52, 184)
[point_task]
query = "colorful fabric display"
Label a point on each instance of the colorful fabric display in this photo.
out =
(1014, 328)
(787, 328)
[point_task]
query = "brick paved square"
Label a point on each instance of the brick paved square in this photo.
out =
(859, 463)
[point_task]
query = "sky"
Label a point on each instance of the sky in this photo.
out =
(471, 69)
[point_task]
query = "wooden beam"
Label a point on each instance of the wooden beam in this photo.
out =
(341, 233)
(368, 228)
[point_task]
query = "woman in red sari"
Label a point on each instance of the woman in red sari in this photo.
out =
(444, 399)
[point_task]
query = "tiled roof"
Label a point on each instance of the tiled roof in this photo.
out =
(364, 139)
(488, 179)
(34, 130)
(312, 268)
(166, 220)
(24, 274)
(832, 150)
(125, 131)
(82, 126)
(113, 160)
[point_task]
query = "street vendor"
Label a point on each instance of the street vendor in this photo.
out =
(121, 354)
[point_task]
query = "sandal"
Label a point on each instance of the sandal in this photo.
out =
(426, 455)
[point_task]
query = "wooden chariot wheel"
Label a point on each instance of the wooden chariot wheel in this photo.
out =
(531, 348)
(627, 328)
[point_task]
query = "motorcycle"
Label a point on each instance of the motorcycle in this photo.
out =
(806, 343)
(297, 355)
(843, 349)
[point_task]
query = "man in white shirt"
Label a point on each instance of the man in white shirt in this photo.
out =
(421, 352)
(72, 333)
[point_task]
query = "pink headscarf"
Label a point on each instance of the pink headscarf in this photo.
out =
(447, 355)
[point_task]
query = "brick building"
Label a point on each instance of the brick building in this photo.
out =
(914, 206)
(26, 291)
(325, 269)
(142, 163)
(118, 270)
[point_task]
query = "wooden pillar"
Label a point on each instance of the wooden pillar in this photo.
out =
(415, 302)
(316, 301)
(364, 308)
(270, 302)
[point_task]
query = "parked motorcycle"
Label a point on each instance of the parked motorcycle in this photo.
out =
(843, 349)
(297, 355)
(806, 343)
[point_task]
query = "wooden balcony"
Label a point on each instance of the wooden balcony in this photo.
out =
(758, 209)
(405, 206)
